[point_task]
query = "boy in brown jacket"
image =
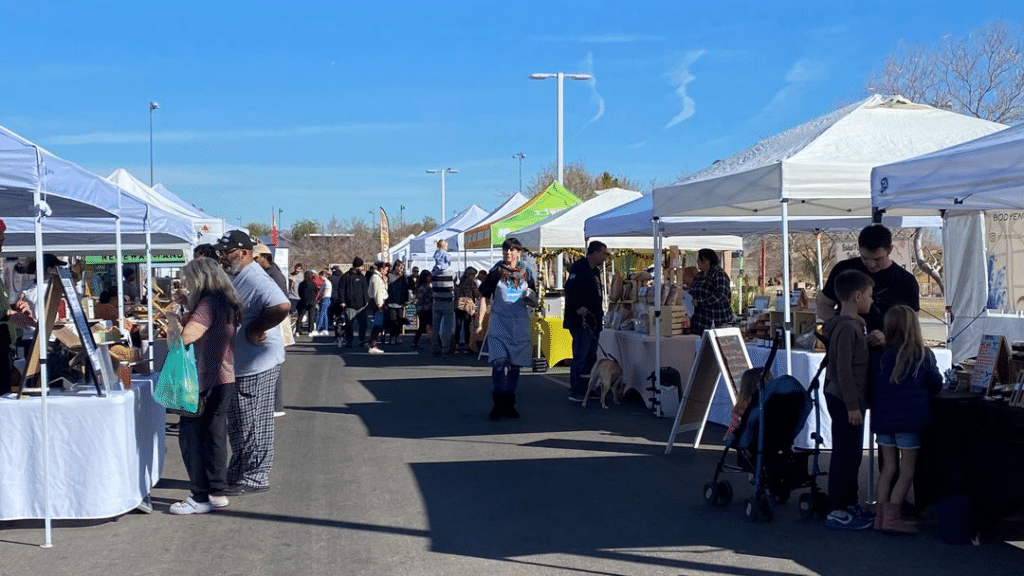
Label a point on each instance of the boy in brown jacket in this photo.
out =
(846, 397)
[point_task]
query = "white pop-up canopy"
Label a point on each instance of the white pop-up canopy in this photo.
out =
(457, 241)
(629, 226)
(202, 223)
(565, 229)
(211, 225)
(985, 174)
(459, 223)
(820, 168)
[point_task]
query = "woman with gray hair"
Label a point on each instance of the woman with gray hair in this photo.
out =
(214, 313)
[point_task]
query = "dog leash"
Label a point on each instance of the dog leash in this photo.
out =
(597, 338)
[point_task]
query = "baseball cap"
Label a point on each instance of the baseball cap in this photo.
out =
(260, 248)
(234, 240)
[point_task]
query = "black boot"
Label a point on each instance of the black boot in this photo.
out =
(498, 408)
(510, 406)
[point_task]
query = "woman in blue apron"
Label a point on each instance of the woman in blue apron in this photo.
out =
(510, 290)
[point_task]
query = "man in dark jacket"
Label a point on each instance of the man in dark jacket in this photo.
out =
(336, 319)
(353, 299)
(583, 315)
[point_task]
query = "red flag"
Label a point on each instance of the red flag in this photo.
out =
(273, 229)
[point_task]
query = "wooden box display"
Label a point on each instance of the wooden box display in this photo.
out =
(674, 320)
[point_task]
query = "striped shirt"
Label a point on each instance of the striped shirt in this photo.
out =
(443, 285)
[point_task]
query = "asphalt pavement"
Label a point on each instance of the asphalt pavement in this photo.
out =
(387, 465)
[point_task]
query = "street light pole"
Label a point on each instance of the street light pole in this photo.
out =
(559, 77)
(443, 171)
(152, 106)
(401, 211)
(520, 156)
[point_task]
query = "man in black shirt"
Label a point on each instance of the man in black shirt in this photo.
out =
(583, 315)
(893, 284)
(354, 298)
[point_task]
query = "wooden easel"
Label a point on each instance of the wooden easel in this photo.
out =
(98, 368)
(722, 353)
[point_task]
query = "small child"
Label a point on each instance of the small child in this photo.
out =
(900, 410)
(846, 396)
(750, 384)
(442, 261)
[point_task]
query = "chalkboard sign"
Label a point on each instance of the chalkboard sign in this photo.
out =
(722, 355)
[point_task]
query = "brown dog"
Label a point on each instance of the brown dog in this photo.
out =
(607, 374)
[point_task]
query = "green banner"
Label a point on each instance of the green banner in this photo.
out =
(136, 259)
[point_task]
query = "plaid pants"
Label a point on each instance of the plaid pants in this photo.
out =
(251, 429)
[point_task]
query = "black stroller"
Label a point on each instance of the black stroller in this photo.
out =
(763, 443)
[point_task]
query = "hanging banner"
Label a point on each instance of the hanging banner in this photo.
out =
(385, 241)
(1005, 247)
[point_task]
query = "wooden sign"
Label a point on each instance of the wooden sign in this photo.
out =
(992, 365)
(722, 354)
(98, 367)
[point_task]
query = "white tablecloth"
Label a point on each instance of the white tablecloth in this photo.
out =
(105, 453)
(635, 353)
(805, 365)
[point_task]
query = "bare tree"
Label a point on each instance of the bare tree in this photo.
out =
(981, 74)
(580, 182)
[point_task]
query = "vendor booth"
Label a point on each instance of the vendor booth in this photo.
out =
(457, 241)
(543, 205)
(973, 454)
(427, 242)
(36, 184)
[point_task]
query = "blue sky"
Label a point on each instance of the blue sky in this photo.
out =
(328, 109)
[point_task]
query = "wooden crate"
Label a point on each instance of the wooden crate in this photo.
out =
(674, 320)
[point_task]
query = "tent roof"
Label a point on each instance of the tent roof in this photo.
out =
(565, 229)
(982, 174)
(460, 222)
(822, 167)
(456, 240)
(549, 201)
(68, 189)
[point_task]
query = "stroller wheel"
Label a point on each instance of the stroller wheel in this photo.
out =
(711, 495)
(766, 507)
(750, 509)
(724, 493)
(821, 504)
(806, 506)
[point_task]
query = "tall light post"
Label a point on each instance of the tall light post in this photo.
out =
(152, 106)
(443, 171)
(559, 76)
(520, 156)
(401, 211)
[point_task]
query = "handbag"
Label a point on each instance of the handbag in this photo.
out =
(466, 304)
(378, 318)
(178, 386)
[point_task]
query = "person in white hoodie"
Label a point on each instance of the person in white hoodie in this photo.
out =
(378, 295)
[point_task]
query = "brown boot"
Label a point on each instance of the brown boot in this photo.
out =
(892, 520)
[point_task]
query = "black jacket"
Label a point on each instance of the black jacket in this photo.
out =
(307, 293)
(353, 289)
(582, 290)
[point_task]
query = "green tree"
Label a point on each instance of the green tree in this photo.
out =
(257, 229)
(303, 228)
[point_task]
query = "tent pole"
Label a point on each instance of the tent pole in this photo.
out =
(787, 319)
(817, 239)
(149, 289)
(656, 332)
(42, 337)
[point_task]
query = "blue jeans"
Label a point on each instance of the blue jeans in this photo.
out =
(584, 354)
(323, 318)
(444, 326)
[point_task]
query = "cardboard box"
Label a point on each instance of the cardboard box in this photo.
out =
(674, 320)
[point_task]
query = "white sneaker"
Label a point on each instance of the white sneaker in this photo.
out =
(190, 506)
(218, 501)
(375, 350)
(279, 413)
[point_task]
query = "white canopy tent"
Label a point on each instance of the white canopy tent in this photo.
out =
(565, 228)
(510, 205)
(629, 226)
(459, 223)
(820, 168)
(163, 199)
(985, 174)
(37, 184)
